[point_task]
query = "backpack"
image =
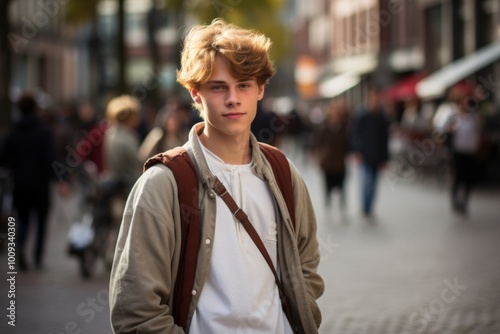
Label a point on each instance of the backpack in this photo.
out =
(186, 178)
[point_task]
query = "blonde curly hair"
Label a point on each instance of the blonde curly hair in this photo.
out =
(247, 52)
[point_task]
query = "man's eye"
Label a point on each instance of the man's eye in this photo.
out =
(244, 85)
(217, 87)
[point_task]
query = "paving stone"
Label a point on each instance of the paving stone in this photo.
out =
(377, 272)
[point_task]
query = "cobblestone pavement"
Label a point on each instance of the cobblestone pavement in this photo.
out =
(57, 300)
(415, 268)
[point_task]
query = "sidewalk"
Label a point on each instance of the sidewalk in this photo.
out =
(415, 268)
(57, 300)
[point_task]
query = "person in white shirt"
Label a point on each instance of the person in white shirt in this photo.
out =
(225, 69)
(464, 126)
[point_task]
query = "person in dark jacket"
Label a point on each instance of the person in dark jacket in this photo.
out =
(28, 152)
(370, 144)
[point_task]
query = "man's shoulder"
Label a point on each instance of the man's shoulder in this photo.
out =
(156, 175)
(270, 148)
(156, 181)
(274, 155)
(154, 192)
(169, 165)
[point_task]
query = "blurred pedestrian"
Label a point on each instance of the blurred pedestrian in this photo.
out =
(28, 152)
(122, 163)
(267, 126)
(234, 287)
(464, 127)
(449, 106)
(121, 142)
(90, 145)
(331, 148)
(169, 132)
(370, 146)
(414, 125)
(294, 132)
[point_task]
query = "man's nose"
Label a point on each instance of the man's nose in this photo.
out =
(233, 96)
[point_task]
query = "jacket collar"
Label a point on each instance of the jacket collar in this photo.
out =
(193, 147)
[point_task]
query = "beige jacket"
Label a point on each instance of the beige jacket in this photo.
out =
(147, 254)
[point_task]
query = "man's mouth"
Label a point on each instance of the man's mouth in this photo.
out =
(234, 115)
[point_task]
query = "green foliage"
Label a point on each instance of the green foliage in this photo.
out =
(77, 12)
(261, 15)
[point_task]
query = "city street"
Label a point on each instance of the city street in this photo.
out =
(415, 267)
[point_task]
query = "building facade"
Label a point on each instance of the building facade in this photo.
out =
(356, 43)
(66, 62)
(43, 51)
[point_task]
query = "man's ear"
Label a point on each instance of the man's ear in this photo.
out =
(194, 95)
(261, 92)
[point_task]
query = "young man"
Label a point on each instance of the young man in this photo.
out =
(225, 69)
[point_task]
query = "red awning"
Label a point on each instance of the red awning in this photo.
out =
(403, 89)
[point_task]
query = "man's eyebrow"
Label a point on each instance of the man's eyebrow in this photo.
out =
(216, 82)
(246, 79)
(225, 83)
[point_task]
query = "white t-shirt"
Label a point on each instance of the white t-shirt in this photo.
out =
(240, 294)
(467, 134)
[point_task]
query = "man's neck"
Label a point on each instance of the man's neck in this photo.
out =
(231, 150)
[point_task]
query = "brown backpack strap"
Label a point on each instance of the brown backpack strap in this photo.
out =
(282, 174)
(186, 177)
(165, 157)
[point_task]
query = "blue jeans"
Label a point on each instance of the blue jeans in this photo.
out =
(369, 175)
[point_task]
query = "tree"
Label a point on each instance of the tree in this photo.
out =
(154, 18)
(5, 66)
(83, 11)
(120, 48)
(261, 15)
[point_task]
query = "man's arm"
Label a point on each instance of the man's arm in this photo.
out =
(141, 281)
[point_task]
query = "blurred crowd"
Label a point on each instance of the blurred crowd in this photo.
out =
(456, 140)
(79, 148)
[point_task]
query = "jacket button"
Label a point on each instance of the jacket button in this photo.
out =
(207, 241)
(193, 292)
(211, 195)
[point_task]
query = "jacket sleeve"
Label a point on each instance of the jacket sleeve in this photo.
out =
(307, 243)
(142, 277)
